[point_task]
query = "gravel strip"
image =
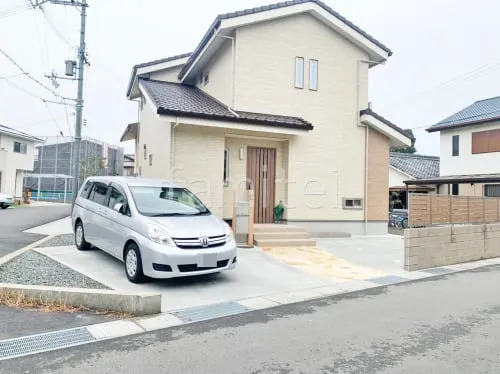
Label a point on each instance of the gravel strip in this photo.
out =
(62, 240)
(32, 268)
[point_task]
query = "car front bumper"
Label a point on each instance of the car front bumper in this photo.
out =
(160, 261)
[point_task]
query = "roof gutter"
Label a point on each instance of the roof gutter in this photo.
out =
(465, 124)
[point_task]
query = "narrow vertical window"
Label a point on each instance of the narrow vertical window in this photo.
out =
(313, 75)
(145, 152)
(150, 160)
(454, 189)
(226, 166)
(456, 145)
(299, 72)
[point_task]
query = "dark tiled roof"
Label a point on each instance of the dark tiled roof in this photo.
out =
(417, 166)
(151, 63)
(284, 4)
(407, 133)
(481, 111)
(181, 99)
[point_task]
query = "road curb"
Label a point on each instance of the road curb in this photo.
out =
(13, 255)
(138, 304)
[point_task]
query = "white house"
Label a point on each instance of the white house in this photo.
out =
(470, 150)
(17, 151)
(275, 99)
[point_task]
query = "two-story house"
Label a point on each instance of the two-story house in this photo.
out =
(17, 151)
(470, 151)
(274, 99)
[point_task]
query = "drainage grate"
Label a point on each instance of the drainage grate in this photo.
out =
(437, 271)
(390, 279)
(32, 344)
(204, 313)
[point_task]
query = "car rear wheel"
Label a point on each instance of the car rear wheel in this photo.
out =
(3, 206)
(133, 264)
(81, 243)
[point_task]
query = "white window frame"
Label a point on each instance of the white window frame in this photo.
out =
(299, 69)
(313, 62)
(353, 200)
(23, 148)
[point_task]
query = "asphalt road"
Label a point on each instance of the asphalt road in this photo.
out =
(14, 221)
(449, 324)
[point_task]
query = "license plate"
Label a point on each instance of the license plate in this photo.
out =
(207, 260)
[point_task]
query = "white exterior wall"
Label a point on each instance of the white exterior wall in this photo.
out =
(13, 165)
(219, 70)
(328, 163)
(167, 75)
(199, 163)
(396, 178)
(156, 134)
(466, 162)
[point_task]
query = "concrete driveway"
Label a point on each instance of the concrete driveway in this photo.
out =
(14, 221)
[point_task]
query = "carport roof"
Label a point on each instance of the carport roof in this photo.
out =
(457, 179)
(185, 100)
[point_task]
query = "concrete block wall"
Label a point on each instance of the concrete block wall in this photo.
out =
(437, 246)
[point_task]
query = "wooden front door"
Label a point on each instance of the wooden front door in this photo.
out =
(261, 177)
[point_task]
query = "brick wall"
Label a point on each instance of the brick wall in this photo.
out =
(437, 246)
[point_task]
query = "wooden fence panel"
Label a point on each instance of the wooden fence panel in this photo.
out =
(427, 210)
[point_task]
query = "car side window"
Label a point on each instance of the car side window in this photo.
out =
(116, 197)
(99, 193)
(86, 190)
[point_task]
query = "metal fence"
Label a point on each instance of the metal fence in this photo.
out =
(53, 165)
(430, 210)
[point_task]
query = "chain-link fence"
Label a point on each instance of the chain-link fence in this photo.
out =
(51, 178)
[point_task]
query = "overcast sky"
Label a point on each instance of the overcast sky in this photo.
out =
(446, 56)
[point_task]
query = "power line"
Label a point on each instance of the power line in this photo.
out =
(53, 118)
(28, 74)
(7, 12)
(54, 28)
(8, 81)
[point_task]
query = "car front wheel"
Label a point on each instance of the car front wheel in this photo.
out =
(133, 264)
(80, 242)
(3, 206)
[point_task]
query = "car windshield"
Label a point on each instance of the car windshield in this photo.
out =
(167, 201)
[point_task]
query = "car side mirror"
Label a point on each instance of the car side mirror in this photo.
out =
(118, 208)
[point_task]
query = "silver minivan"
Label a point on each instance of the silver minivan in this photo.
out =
(158, 229)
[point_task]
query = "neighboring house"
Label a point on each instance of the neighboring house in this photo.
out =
(470, 150)
(404, 167)
(16, 157)
(274, 99)
(53, 167)
(129, 165)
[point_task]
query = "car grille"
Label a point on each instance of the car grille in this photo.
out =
(195, 243)
(193, 267)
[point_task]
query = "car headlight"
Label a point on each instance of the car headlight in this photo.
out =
(159, 235)
(229, 234)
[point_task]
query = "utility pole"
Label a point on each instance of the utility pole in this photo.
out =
(82, 60)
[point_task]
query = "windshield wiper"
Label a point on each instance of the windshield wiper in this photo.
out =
(205, 212)
(169, 215)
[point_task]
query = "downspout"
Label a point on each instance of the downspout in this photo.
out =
(172, 145)
(233, 72)
(358, 122)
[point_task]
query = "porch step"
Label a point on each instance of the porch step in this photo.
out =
(285, 242)
(282, 235)
(269, 227)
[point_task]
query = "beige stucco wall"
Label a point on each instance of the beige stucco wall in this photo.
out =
(219, 70)
(378, 176)
(13, 165)
(155, 133)
(328, 163)
(238, 169)
(167, 75)
(198, 156)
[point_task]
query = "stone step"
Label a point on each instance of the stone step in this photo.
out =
(282, 235)
(259, 228)
(285, 243)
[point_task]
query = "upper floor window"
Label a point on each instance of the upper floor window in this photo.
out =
(313, 75)
(145, 152)
(299, 72)
(456, 145)
(20, 147)
(486, 141)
